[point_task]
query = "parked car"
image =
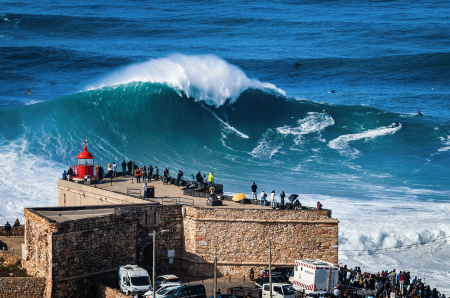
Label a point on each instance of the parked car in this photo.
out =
(321, 294)
(223, 296)
(276, 272)
(162, 290)
(166, 279)
(189, 291)
(265, 280)
(278, 291)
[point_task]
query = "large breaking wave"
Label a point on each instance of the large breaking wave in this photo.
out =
(206, 78)
(161, 112)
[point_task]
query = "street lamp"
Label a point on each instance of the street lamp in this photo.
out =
(154, 258)
(270, 265)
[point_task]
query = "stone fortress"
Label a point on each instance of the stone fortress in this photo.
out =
(97, 228)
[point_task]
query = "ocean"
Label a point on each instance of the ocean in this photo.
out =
(212, 86)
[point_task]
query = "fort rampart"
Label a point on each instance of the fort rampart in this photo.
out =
(94, 231)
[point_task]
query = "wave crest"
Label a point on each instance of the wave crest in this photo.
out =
(207, 78)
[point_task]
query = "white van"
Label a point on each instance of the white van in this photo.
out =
(314, 275)
(133, 278)
(279, 290)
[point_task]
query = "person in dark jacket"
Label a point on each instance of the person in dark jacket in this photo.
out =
(100, 174)
(150, 173)
(8, 230)
(70, 173)
(166, 177)
(130, 164)
(199, 180)
(282, 195)
(254, 188)
(124, 168)
(16, 223)
(179, 175)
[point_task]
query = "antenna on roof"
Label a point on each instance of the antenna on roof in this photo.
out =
(85, 142)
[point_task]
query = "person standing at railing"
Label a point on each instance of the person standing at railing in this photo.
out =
(69, 174)
(138, 174)
(114, 168)
(144, 172)
(129, 164)
(124, 168)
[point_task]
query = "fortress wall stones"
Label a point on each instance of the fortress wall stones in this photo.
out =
(76, 254)
(18, 287)
(37, 250)
(239, 238)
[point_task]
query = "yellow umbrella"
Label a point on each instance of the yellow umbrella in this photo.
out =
(238, 197)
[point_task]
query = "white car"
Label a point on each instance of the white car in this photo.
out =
(160, 288)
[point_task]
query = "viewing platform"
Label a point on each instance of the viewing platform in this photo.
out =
(123, 191)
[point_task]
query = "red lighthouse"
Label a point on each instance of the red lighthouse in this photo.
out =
(85, 164)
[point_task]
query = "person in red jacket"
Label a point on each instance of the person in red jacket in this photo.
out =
(319, 206)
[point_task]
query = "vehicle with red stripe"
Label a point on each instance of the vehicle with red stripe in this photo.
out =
(314, 275)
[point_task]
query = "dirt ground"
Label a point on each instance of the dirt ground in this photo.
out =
(12, 245)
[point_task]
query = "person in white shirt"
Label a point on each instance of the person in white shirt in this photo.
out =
(114, 168)
(273, 198)
(336, 291)
(145, 190)
(263, 199)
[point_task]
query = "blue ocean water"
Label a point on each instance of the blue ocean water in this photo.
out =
(203, 86)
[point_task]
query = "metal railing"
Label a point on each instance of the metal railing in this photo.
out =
(134, 191)
(177, 201)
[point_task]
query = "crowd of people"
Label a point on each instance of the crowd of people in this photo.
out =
(389, 284)
(275, 203)
(150, 173)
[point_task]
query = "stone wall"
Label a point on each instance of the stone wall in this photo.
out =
(77, 194)
(240, 238)
(22, 287)
(37, 248)
(104, 291)
(19, 231)
(78, 253)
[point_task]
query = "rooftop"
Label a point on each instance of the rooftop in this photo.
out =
(164, 194)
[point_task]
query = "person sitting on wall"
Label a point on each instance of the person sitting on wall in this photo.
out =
(319, 206)
(212, 191)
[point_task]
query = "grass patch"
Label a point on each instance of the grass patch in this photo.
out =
(5, 271)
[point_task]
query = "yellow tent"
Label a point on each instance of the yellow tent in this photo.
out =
(238, 197)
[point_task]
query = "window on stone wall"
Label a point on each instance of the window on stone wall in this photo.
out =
(148, 218)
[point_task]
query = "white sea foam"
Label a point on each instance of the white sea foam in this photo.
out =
(207, 78)
(228, 126)
(26, 180)
(341, 143)
(446, 143)
(32, 102)
(313, 123)
(268, 145)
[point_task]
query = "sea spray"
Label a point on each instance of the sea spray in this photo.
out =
(206, 78)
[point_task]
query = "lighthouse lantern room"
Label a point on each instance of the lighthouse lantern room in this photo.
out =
(85, 164)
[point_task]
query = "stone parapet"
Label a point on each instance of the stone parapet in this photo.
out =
(22, 287)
